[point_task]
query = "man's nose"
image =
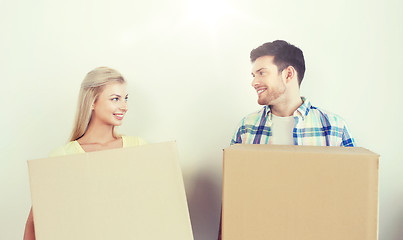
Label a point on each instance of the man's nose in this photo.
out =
(254, 82)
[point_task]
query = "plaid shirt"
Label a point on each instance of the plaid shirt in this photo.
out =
(313, 126)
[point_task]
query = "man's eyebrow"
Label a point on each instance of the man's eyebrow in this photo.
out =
(260, 69)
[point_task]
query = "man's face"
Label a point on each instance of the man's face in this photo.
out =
(268, 82)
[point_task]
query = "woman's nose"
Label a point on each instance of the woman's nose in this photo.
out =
(124, 106)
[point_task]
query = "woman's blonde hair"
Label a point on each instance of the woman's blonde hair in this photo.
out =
(91, 87)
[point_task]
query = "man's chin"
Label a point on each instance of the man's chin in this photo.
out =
(262, 102)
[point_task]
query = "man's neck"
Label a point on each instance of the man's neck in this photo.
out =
(287, 107)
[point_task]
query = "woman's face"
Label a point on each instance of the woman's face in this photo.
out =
(111, 105)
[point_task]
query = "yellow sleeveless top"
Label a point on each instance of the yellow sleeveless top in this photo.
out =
(74, 147)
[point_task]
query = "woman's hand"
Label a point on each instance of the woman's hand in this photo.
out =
(29, 228)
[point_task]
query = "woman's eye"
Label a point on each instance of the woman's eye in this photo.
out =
(115, 99)
(126, 99)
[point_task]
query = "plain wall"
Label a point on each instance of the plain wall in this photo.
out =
(187, 64)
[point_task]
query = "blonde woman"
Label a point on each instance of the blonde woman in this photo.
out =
(102, 105)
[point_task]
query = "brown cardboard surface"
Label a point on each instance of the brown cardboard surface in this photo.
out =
(299, 192)
(130, 193)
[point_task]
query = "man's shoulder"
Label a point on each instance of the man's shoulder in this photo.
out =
(251, 118)
(333, 125)
(327, 116)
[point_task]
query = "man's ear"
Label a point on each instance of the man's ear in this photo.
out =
(289, 73)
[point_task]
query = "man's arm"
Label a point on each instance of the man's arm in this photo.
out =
(347, 139)
(238, 135)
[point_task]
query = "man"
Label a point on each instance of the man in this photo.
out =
(287, 118)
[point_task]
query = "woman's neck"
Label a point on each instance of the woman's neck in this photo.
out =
(97, 133)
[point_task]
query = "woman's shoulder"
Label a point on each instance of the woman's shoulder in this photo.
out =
(130, 141)
(67, 149)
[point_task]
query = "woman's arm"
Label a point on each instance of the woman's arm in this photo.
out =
(29, 228)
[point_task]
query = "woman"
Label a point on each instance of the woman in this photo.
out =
(101, 106)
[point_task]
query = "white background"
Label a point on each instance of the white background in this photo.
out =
(187, 64)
